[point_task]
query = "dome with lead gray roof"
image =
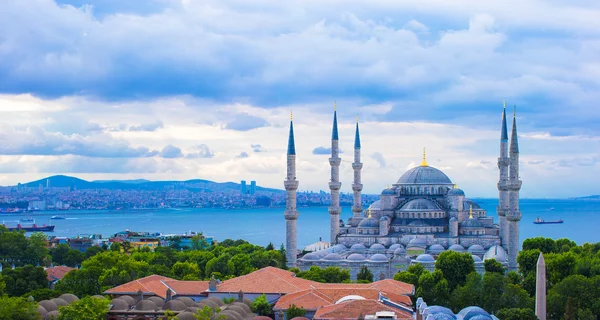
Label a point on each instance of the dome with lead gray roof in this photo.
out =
(424, 175)
(356, 257)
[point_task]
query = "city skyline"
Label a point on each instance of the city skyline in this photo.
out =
(177, 90)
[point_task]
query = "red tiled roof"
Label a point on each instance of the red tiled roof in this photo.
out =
(57, 273)
(158, 286)
(266, 280)
(183, 288)
(353, 309)
(388, 285)
(315, 298)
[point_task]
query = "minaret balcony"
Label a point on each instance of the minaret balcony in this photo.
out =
(335, 185)
(514, 216)
(514, 185)
(335, 161)
(291, 215)
(503, 186)
(357, 166)
(503, 162)
(290, 184)
(357, 187)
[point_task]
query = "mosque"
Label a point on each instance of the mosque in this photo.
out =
(421, 215)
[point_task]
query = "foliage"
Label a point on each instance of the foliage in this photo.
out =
(2, 286)
(261, 306)
(186, 270)
(20, 250)
(24, 279)
(294, 311)
(326, 275)
(516, 314)
(228, 300)
(88, 308)
(365, 275)
(82, 282)
(455, 267)
(545, 245)
(206, 313)
(491, 265)
(411, 275)
(17, 308)
(42, 294)
(270, 247)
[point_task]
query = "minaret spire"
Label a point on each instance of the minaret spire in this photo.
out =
(291, 214)
(503, 194)
(513, 215)
(357, 184)
(334, 184)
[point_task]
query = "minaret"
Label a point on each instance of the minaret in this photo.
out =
(357, 185)
(514, 185)
(291, 214)
(334, 184)
(503, 201)
(540, 289)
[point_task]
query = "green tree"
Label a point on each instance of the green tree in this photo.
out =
(410, 275)
(455, 267)
(468, 295)
(187, 270)
(364, 275)
(515, 297)
(13, 245)
(115, 246)
(88, 308)
(242, 264)
(42, 294)
(221, 264)
(82, 282)
(491, 265)
(36, 250)
(493, 286)
(335, 275)
(24, 279)
(199, 242)
(261, 306)
(17, 308)
(545, 245)
(2, 285)
(73, 258)
(294, 311)
(270, 247)
(207, 313)
(58, 253)
(92, 251)
(527, 260)
(516, 314)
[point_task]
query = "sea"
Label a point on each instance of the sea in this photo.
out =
(267, 225)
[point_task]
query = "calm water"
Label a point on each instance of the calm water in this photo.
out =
(261, 226)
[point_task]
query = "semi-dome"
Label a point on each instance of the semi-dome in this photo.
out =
(420, 205)
(358, 246)
(476, 258)
(472, 223)
(377, 247)
(356, 257)
(310, 257)
(424, 175)
(476, 249)
(375, 205)
(457, 248)
(388, 192)
(496, 252)
(369, 223)
(378, 257)
(436, 249)
(456, 192)
(395, 246)
(333, 257)
(470, 203)
(399, 252)
(425, 258)
(418, 243)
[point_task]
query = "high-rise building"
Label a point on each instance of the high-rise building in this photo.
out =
(244, 189)
(252, 187)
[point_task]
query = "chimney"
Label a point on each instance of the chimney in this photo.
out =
(212, 285)
(169, 295)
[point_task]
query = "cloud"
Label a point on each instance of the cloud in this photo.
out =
(379, 158)
(147, 127)
(245, 122)
(171, 151)
(257, 148)
(202, 151)
(243, 155)
(321, 150)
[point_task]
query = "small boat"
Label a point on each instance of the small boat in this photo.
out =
(538, 220)
(28, 219)
(57, 218)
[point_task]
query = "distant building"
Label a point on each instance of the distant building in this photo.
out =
(252, 187)
(244, 189)
(55, 274)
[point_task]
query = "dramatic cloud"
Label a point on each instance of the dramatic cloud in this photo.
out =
(201, 151)
(245, 122)
(171, 151)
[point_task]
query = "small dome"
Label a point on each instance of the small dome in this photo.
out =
(333, 257)
(129, 299)
(186, 315)
(383, 219)
(440, 310)
(378, 257)
(377, 247)
(436, 249)
(453, 219)
(358, 246)
(230, 314)
(189, 302)
(395, 246)
(456, 192)
(174, 305)
(457, 248)
(369, 223)
(417, 242)
(425, 258)
(477, 249)
(145, 305)
(350, 298)
(244, 306)
(424, 175)
(472, 223)
(496, 252)
(60, 302)
(399, 252)
(468, 203)
(356, 257)
(215, 300)
(69, 298)
(261, 318)
(440, 316)
(420, 205)
(375, 205)
(41, 311)
(48, 305)
(310, 257)
(388, 192)
(476, 258)
(159, 302)
(52, 315)
(470, 312)
(237, 309)
(119, 305)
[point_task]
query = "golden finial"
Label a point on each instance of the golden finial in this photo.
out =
(357, 118)
(504, 103)
(369, 212)
(334, 105)
(291, 116)
(387, 186)
(471, 212)
(455, 186)
(424, 162)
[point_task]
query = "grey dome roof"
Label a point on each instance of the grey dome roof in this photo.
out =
(333, 257)
(470, 312)
(457, 248)
(356, 257)
(51, 315)
(456, 192)
(60, 302)
(310, 257)
(119, 305)
(496, 252)
(146, 305)
(68, 297)
(440, 310)
(468, 202)
(377, 246)
(476, 258)
(215, 300)
(129, 299)
(159, 302)
(186, 315)
(420, 205)
(476, 249)
(189, 302)
(388, 192)
(395, 246)
(440, 316)
(369, 223)
(436, 249)
(417, 242)
(424, 175)
(358, 246)
(378, 257)
(471, 223)
(399, 252)
(174, 305)
(425, 258)
(48, 305)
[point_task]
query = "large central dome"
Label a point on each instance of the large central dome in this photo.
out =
(424, 175)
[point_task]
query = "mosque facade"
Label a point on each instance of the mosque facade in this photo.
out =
(421, 215)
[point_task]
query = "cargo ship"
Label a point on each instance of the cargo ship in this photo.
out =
(30, 228)
(538, 220)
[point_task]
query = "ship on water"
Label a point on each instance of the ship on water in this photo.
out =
(539, 220)
(30, 228)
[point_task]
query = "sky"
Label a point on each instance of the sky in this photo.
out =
(166, 89)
